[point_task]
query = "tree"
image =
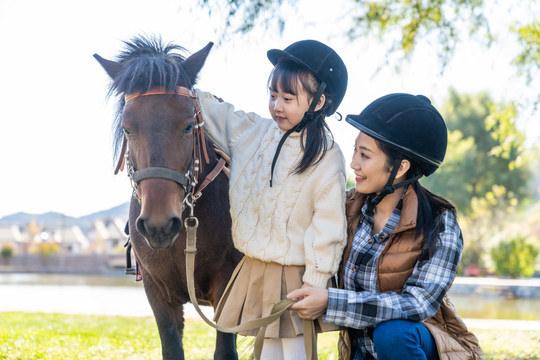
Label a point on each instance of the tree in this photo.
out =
(486, 157)
(405, 22)
(486, 173)
(515, 258)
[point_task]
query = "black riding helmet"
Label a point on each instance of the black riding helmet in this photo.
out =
(410, 125)
(327, 67)
(322, 61)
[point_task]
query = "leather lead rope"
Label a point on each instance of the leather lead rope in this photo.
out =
(310, 337)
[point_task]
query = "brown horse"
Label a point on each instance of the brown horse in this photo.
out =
(158, 126)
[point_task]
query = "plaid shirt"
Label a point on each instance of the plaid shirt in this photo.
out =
(360, 305)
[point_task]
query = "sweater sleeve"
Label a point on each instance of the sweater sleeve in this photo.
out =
(325, 238)
(223, 125)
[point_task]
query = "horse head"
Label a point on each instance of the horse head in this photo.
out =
(156, 123)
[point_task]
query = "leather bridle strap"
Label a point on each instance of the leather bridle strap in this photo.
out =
(122, 157)
(160, 172)
(199, 143)
(210, 177)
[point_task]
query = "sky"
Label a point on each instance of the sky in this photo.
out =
(55, 120)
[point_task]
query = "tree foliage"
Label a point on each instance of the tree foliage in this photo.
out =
(407, 22)
(486, 158)
(528, 60)
(486, 173)
(415, 19)
(515, 258)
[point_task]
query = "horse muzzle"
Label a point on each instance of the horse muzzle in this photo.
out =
(160, 220)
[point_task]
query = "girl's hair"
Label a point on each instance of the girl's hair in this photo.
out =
(287, 75)
(430, 206)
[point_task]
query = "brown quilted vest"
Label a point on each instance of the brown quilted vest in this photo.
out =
(396, 264)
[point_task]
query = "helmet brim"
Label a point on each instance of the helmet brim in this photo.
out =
(356, 121)
(275, 55)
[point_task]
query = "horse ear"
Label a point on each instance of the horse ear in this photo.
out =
(111, 67)
(193, 64)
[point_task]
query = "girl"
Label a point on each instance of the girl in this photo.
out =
(404, 243)
(287, 190)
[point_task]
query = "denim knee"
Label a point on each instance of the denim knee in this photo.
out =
(403, 339)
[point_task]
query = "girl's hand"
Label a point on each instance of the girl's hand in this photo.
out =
(312, 302)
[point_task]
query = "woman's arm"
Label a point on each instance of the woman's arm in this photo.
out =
(419, 299)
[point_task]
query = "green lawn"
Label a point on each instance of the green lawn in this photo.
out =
(32, 336)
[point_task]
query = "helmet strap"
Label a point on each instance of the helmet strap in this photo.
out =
(308, 116)
(390, 187)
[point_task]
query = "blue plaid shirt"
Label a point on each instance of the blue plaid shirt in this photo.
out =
(360, 305)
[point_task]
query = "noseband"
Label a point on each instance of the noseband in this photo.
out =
(189, 180)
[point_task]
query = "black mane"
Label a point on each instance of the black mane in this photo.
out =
(147, 63)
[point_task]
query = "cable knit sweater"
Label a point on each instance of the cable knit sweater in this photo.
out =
(300, 220)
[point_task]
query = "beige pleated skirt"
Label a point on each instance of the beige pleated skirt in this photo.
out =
(255, 286)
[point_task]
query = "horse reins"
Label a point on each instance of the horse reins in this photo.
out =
(191, 223)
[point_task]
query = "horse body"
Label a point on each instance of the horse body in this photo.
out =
(159, 130)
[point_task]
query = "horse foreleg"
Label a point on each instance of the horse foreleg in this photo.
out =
(225, 346)
(169, 320)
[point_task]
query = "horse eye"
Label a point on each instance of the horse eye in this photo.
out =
(127, 132)
(188, 129)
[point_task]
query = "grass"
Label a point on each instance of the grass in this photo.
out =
(32, 336)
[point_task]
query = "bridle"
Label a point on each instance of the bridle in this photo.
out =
(189, 180)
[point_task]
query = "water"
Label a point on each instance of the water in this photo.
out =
(122, 295)
(79, 294)
(479, 307)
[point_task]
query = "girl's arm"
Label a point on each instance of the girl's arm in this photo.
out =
(222, 124)
(325, 237)
(421, 296)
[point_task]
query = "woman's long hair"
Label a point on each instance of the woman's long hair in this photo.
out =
(430, 206)
(286, 76)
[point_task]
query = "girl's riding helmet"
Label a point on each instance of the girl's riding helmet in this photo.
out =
(322, 61)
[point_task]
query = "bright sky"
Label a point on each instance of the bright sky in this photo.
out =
(55, 123)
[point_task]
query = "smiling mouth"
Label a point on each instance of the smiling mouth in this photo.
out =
(360, 178)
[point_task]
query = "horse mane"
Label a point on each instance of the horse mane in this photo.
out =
(147, 62)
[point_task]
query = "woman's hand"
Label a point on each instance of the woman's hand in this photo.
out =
(312, 302)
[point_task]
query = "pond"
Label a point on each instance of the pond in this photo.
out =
(122, 295)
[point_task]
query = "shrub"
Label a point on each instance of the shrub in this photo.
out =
(515, 258)
(7, 251)
(47, 249)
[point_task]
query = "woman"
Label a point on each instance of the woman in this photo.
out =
(404, 243)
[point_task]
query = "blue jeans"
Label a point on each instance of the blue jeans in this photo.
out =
(403, 339)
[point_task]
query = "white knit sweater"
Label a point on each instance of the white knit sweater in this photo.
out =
(300, 220)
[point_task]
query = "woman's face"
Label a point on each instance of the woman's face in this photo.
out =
(288, 109)
(369, 165)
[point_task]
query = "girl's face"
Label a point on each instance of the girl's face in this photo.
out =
(288, 109)
(369, 165)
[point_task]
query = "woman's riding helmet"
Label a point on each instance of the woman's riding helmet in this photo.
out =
(409, 124)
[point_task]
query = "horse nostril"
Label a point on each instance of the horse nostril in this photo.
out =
(141, 227)
(176, 225)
